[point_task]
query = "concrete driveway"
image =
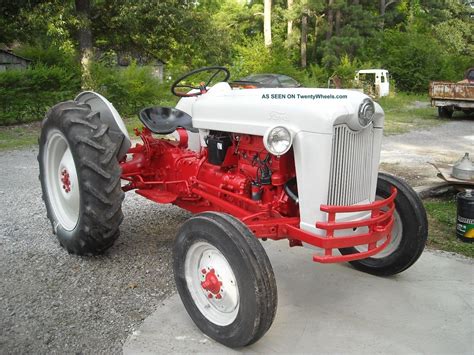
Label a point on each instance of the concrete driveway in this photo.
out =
(336, 309)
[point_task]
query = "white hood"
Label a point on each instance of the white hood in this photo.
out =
(253, 111)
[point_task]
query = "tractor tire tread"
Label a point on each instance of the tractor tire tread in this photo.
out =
(414, 231)
(269, 291)
(100, 189)
(258, 271)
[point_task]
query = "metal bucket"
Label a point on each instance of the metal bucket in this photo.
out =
(465, 216)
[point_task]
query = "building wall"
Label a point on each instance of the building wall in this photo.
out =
(11, 62)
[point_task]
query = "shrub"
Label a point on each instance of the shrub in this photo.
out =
(318, 76)
(131, 88)
(26, 95)
(50, 56)
(253, 57)
(414, 59)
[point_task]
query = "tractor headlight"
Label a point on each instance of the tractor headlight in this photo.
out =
(278, 140)
(366, 112)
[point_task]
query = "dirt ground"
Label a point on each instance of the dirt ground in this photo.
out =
(408, 155)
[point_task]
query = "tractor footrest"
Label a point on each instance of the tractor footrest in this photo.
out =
(158, 196)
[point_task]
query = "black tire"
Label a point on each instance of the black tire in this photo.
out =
(445, 111)
(253, 274)
(414, 230)
(98, 178)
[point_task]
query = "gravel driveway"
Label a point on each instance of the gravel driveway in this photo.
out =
(408, 155)
(55, 302)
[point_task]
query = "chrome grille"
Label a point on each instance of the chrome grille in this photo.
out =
(351, 165)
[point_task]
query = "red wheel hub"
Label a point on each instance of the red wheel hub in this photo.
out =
(65, 180)
(211, 284)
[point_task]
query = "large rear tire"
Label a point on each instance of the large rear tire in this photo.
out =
(225, 279)
(409, 233)
(80, 178)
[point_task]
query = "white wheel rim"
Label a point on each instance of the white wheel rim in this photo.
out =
(396, 238)
(218, 300)
(61, 180)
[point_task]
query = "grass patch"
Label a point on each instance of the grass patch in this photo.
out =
(442, 226)
(405, 112)
(14, 137)
(131, 123)
(26, 135)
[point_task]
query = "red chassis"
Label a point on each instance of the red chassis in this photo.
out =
(165, 171)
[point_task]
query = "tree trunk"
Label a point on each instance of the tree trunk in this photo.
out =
(382, 7)
(316, 30)
(85, 41)
(355, 2)
(267, 22)
(304, 39)
(338, 22)
(383, 4)
(330, 15)
(290, 21)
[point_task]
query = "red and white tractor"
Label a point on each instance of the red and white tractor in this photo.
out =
(287, 163)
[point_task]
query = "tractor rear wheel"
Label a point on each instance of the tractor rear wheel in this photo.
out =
(224, 279)
(80, 178)
(409, 232)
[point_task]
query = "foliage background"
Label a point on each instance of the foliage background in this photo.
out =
(416, 40)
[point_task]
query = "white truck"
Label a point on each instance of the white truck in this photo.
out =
(375, 82)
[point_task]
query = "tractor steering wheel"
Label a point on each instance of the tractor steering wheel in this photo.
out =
(202, 86)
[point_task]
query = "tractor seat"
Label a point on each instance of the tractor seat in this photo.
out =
(165, 120)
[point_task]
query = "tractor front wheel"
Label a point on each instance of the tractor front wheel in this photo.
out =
(224, 279)
(80, 178)
(409, 232)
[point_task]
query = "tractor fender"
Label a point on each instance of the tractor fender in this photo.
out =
(108, 115)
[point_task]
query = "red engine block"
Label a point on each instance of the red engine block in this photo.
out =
(166, 171)
(249, 184)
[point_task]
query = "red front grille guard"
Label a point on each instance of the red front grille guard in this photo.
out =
(379, 228)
